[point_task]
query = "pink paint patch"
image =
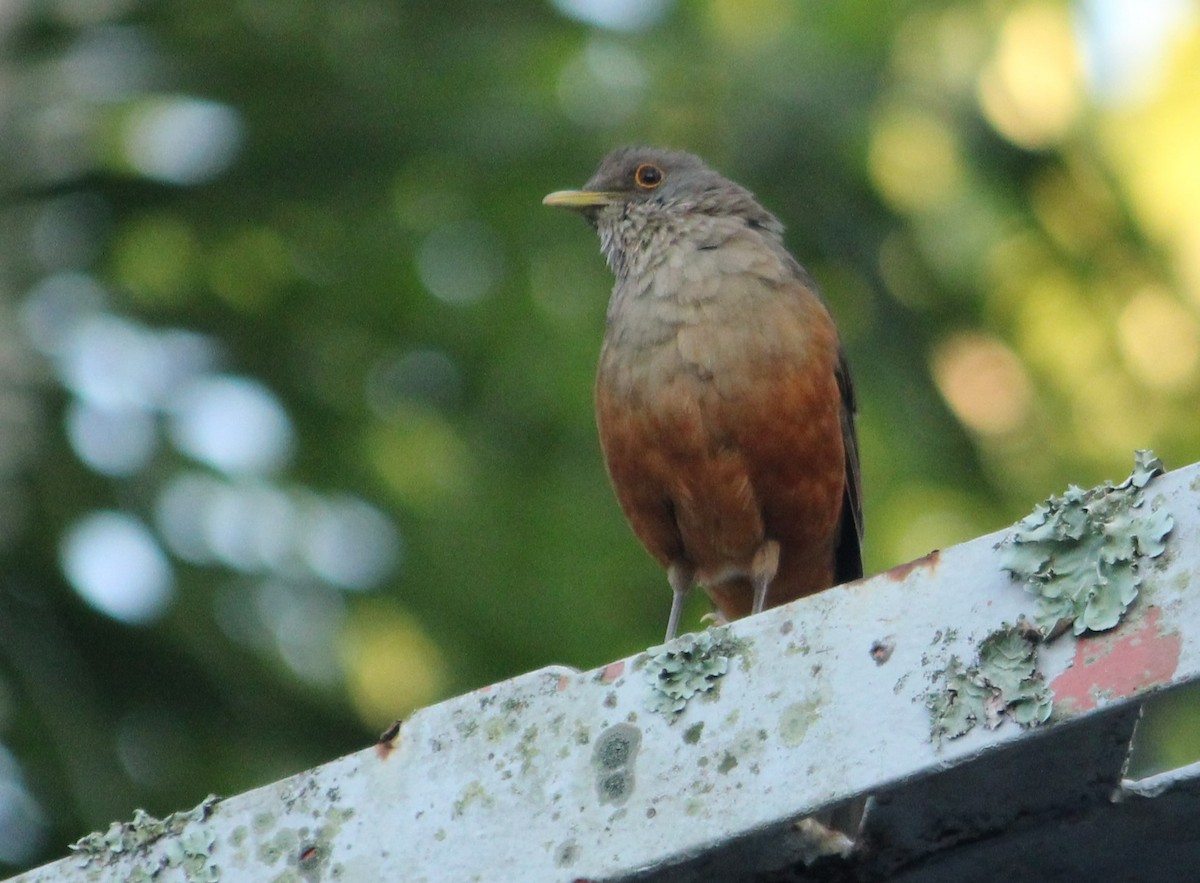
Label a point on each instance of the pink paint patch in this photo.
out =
(1118, 664)
(612, 671)
(563, 682)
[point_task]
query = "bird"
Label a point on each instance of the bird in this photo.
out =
(723, 397)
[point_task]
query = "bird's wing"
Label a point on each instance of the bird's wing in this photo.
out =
(849, 564)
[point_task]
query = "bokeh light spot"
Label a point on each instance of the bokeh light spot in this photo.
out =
(1160, 340)
(914, 159)
(115, 565)
(350, 543)
(1124, 43)
(751, 25)
(180, 513)
(113, 363)
(601, 86)
(304, 621)
(109, 63)
(1060, 332)
(983, 381)
(57, 307)
(619, 15)
(22, 820)
(1031, 90)
(114, 441)
(249, 526)
(419, 457)
(390, 664)
(251, 269)
(424, 377)
(156, 258)
(182, 140)
(460, 263)
(233, 424)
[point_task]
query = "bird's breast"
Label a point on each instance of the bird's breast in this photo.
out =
(727, 336)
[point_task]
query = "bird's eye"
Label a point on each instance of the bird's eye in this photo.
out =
(648, 176)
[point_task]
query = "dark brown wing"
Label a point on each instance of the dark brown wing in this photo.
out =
(848, 563)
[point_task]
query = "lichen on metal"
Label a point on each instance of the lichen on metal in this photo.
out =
(614, 758)
(1083, 554)
(1003, 682)
(186, 844)
(691, 664)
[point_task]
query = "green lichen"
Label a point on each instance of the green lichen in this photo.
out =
(614, 758)
(691, 664)
(1083, 554)
(795, 720)
(1003, 683)
(186, 844)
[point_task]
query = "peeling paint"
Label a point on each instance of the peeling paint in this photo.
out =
(1121, 664)
(388, 740)
(611, 672)
(901, 572)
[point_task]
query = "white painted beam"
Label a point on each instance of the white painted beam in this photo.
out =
(560, 775)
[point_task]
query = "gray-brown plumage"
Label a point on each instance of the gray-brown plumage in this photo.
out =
(724, 404)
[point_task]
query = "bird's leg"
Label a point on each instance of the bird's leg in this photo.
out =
(762, 570)
(679, 575)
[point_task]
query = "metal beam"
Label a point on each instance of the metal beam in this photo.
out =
(561, 775)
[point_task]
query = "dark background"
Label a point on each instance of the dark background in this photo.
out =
(295, 370)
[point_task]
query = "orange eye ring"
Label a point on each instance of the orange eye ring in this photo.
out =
(648, 176)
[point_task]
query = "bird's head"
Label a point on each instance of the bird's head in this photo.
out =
(640, 191)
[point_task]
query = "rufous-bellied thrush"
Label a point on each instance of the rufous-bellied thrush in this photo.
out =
(724, 403)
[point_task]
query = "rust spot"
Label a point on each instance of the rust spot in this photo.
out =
(612, 671)
(901, 571)
(387, 741)
(563, 682)
(309, 855)
(1120, 663)
(881, 650)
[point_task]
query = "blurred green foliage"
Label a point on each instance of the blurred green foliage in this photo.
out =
(281, 306)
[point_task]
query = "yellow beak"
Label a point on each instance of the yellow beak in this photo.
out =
(581, 198)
